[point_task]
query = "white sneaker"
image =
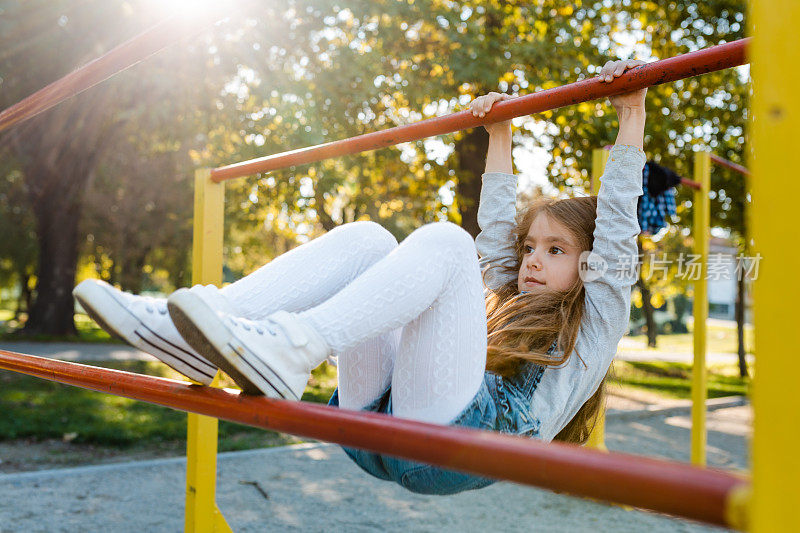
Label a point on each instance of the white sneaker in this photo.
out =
(144, 323)
(274, 356)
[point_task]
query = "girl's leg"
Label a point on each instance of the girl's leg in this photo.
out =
(312, 273)
(365, 372)
(294, 281)
(431, 287)
(441, 361)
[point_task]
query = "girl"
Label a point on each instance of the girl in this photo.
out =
(409, 322)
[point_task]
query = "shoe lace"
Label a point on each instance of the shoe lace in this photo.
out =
(152, 305)
(248, 325)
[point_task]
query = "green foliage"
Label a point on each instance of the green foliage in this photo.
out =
(346, 68)
(293, 73)
(674, 379)
(87, 330)
(40, 409)
(18, 251)
(704, 112)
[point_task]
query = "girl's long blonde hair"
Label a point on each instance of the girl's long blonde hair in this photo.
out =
(522, 327)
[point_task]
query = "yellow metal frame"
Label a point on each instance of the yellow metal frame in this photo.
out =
(597, 439)
(774, 127)
(202, 514)
(701, 210)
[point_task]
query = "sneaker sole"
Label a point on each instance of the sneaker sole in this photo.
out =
(100, 304)
(205, 331)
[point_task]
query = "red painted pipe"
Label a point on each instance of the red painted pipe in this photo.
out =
(127, 54)
(674, 488)
(675, 68)
(691, 183)
(721, 161)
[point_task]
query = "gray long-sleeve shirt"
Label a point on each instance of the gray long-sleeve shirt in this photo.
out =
(563, 390)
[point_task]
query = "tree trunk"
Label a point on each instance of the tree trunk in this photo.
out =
(130, 272)
(471, 153)
(57, 220)
(58, 152)
(324, 217)
(20, 304)
(28, 294)
(24, 300)
(647, 307)
(740, 300)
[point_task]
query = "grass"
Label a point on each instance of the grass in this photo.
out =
(37, 409)
(719, 339)
(88, 330)
(673, 380)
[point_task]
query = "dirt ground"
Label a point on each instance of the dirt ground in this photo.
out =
(25, 455)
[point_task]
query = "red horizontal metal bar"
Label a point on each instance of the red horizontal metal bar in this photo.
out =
(127, 54)
(721, 161)
(674, 488)
(691, 183)
(666, 70)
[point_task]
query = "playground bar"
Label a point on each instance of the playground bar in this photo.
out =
(774, 123)
(674, 488)
(124, 56)
(710, 59)
(701, 232)
(721, 161)
(686, 182)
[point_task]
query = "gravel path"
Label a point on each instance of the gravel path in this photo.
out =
(77, 351)
(311, 487)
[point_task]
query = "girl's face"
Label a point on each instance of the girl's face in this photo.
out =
(550, 257)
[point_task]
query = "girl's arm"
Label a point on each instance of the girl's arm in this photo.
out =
(616, 224)
(629, 106)
(497, 208)
(562, 391)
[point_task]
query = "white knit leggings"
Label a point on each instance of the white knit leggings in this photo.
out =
(411, 315)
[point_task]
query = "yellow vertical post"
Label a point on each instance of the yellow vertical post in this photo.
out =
(202, 514)
(701, 227)
(597, 439)
(774, 128)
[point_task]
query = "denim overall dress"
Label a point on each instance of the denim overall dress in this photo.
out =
(501, 404)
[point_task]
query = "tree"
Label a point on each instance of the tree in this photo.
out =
(62, 151)
(56, 176)
(57, 151)
(18, 245)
